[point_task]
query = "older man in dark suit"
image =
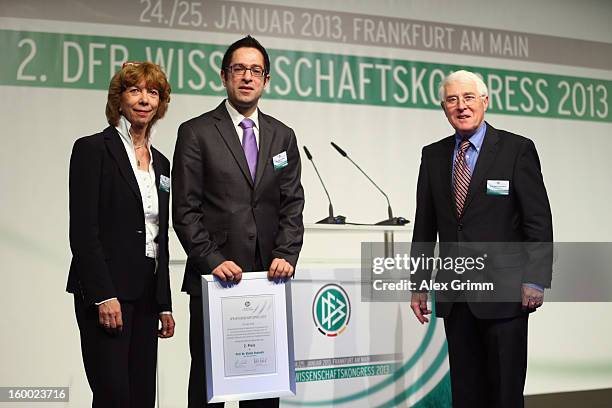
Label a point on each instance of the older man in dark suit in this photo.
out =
(483, 185)
(237, 200)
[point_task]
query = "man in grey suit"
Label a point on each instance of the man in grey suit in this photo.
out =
(237, 199)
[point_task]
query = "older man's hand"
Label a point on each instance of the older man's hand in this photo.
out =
(532, 298)
(418, 304)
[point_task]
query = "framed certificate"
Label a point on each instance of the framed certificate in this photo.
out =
(248, 338)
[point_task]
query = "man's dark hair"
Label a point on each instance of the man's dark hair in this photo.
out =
(246, 42)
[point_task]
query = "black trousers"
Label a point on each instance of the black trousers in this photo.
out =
(121, 367)
(488, 359)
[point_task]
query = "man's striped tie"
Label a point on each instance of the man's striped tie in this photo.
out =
(461, 180)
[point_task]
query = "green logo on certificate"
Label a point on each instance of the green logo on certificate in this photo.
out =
(331, 310)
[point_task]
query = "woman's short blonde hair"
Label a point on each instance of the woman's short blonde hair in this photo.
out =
(132, 74)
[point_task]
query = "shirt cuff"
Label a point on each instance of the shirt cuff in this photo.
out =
(166, 312)
(534, 286)
(104, 301)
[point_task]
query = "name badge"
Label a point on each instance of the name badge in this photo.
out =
(498, 187)
(164, 183)
(280, 160)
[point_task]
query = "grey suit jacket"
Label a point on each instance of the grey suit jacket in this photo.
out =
(219, 213)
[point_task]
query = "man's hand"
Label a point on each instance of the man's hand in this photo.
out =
(418, 304)
(167, 326)
(109, 315)
(531, 298)
(280, 269)
(228, 271)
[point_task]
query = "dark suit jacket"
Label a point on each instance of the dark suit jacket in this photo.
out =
(107, 231)
(519, 218)
(218, 213)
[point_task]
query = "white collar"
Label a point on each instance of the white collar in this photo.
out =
(124, 130)
(237, 117)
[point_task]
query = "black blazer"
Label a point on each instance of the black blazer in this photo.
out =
(218, 213)
(522, 216)
(107, 231)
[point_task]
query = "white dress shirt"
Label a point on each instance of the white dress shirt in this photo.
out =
(237, 117)
(147, 187)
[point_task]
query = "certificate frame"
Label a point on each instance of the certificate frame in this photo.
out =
(221, 387)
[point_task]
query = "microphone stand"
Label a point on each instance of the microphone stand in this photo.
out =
(389, 221)
(330, 219)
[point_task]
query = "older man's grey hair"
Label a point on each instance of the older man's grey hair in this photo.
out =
(463, 76)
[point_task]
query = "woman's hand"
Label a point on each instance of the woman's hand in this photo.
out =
(109, 315)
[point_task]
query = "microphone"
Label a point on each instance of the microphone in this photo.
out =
(330, 219)
(389, 221)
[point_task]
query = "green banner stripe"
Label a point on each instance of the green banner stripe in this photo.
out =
(87, 62)
(420, 382)
(339, 373)
(439, 397)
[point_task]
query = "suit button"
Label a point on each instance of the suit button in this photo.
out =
(139, 231)
(460, 227)
(251, 236)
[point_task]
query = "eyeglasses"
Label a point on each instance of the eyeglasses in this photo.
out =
(130, 63)
(240, 70)
(468, 99)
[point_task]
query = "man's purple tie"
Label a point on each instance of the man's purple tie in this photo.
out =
(249, 144)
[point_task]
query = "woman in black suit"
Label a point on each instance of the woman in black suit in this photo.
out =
(119, 195)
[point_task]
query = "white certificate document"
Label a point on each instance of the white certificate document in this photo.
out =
(249, 339)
